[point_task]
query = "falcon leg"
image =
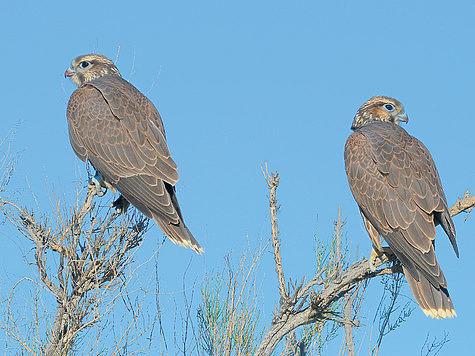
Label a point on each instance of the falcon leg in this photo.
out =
(377, 258)
(97, 182)
(121, 205)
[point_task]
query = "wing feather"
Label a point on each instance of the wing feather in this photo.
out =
(139, 118)
(120, 132)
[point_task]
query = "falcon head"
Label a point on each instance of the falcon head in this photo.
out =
(379, 108)
(90, 66)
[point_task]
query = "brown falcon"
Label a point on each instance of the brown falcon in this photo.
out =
(397, 187)
(119, 131)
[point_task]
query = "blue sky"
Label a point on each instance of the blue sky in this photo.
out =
(240, 83)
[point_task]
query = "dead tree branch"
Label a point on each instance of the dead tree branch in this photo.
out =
(338, 231)
(348, 301)
(92, 252)
(273, 182)
(463, 204)
(307, 304)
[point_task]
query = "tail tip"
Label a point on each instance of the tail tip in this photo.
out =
(440, 313)
(195, 246)
(198, 249)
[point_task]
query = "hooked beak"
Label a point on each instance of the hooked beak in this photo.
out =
(402, 116)
(69, 72)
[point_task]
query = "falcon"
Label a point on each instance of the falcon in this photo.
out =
(120, 132)
(395, 182)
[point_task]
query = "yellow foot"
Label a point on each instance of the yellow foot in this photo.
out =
(377, 258)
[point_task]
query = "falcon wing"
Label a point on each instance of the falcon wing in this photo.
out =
(120, 132)
(397, 187)
(142, 124)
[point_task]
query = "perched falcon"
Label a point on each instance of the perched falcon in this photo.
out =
(118, 129)
(397, 187)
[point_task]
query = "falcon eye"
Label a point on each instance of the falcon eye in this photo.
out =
(389, 107)
(84, 64)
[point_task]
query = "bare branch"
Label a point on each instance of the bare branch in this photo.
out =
(338, 229)
(93, 251)
(465, 204)
(273, 182)
(349, 322)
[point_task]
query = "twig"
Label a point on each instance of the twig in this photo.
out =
(465, 204)
(338, 228)
(386, 314)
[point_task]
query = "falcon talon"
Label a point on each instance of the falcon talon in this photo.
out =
(374, 256)
(97, 186)
(98, 182)
(384, 255)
